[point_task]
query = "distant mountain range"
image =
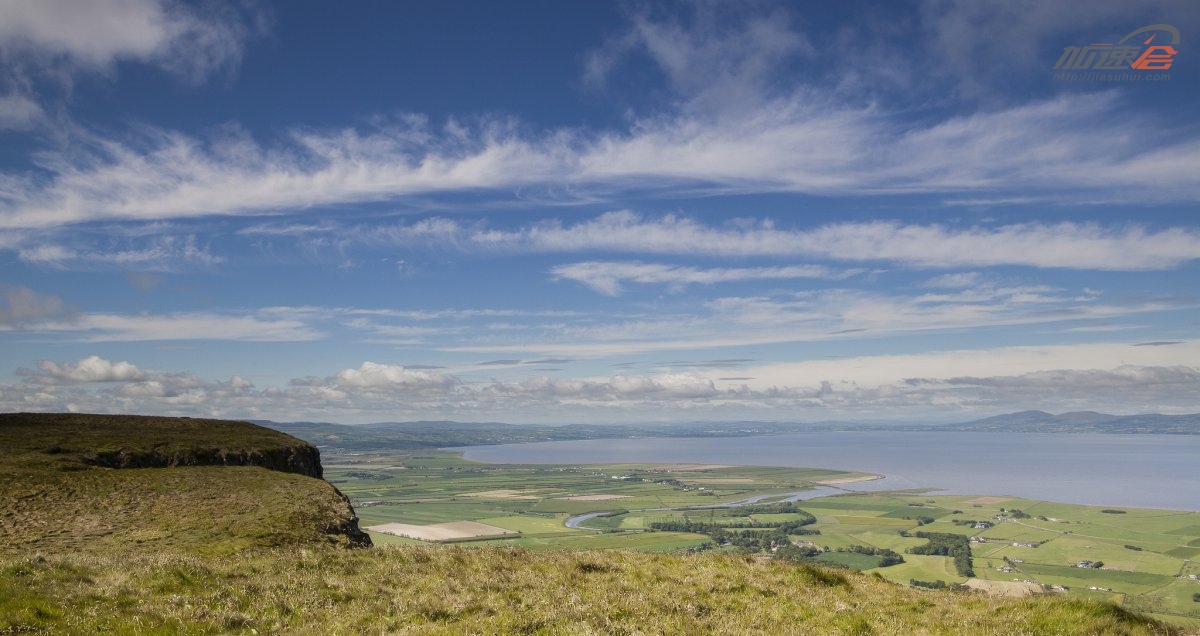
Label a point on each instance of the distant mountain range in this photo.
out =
(443, 434)
(1082, 422)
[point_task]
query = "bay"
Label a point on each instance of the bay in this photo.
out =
(1148, 471)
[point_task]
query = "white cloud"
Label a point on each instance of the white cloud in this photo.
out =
(162, 252)
(606, 277)
(375, 377)
(671, 386)
(91, 369)
(823, 315)
(954, 281)
(718, 60)
(1048, 148)
(1062, 245)
(22, 307)
(18, 112)
(101, 327)
(187, 39)
(1115, 377)
(965, 364)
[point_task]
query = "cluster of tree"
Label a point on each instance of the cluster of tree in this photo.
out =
(1113, 511)
(937, 585)
(955, 546)
(709, 527)
(370, 476)
(968, 522)
(768, 509)
(1132, 547)
(753, 535)
(886, 556)
(1015, 513)
(1196, 597)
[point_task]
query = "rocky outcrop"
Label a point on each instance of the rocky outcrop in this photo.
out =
(139, 441)
(52, 445)
(347, 526)
(301, 458)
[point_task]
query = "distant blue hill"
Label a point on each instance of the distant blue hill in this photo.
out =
(1082, 422)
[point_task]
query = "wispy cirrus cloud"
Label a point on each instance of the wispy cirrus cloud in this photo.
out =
(106, 327)
(163, 252)
(1067, 245)
(607, 277)
(815, 316)
(1045, 147)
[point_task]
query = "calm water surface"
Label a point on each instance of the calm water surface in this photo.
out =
(1150, 471)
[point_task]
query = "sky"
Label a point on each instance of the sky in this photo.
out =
(556, 212)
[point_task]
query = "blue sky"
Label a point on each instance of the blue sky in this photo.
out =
(595, 212)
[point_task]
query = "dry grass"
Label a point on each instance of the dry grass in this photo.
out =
(451, 590)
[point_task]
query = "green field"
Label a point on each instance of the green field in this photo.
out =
(535, 500)
(429, 487)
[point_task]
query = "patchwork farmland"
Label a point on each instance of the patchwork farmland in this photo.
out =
(1018, 546)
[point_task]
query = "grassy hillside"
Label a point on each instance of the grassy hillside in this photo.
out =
(244, 548)
(208, 487)
(452, 590)
(69, 441)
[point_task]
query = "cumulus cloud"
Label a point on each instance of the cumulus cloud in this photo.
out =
(376, 377)
(91, 369)
(1062, 377)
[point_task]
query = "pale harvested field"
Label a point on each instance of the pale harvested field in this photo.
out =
(502, 494)
(596, 497)
(1014, 589)
(440, 531)
(689, 467)
(847, 480)
(987, 500)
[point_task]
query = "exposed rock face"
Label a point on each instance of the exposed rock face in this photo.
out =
(67, 442)
(302, 458)
(138, 441)
(348, 526)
